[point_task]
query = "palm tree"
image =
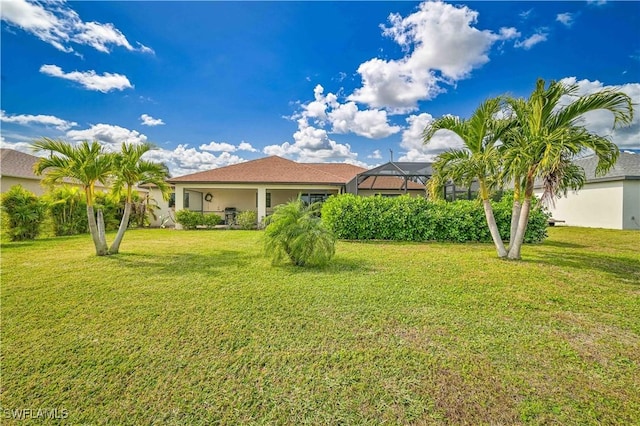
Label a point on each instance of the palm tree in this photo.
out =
(478, 160)
(295, 230)
(545, 136)
(85, 164)
(129, 170)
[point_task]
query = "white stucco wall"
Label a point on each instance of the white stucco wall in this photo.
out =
(33, 185)
(596, 205)
(631, 206)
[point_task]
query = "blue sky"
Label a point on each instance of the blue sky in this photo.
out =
(216, 83)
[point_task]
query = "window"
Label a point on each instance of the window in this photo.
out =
(313, 198)
(268, 200)
(172, 199)
(186, 200)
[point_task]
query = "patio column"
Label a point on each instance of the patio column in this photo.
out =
(179, 201)
(262, 203)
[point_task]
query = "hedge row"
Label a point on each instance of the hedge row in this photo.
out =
(408, 218)
(194, 220)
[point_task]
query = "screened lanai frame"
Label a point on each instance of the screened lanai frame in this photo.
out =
(413, 171)
(409, 171)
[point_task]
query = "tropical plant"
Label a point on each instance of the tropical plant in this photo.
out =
(545, 133)
(247, 219)
(478, 159)
(25, 212)
(85, 164)
(129, 170)
(68, 210)
(296, 231)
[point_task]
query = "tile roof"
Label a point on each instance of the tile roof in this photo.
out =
(275, 169)
(17, 164)
(388, 182)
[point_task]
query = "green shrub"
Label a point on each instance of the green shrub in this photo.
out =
(193, 220)
(247, 219)
(409, 218)
(25, 212)
(295, 231)
(68, 210)
(211, 220)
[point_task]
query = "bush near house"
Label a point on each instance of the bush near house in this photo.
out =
(193, 220)
(407, 218)
(247, 219)
(25, 212)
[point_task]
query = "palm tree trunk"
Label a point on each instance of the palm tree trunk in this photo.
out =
(493, 228)
(101, 232)
(516, 245)
(101, 249)
(515, 219)
(124, 223)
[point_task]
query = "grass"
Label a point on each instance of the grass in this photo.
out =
(196, 327)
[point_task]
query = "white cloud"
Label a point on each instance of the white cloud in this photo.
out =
(442, 46)
(376, 155)
(227, 147)
(601, 122)
(111, 136)
(57, 24)
(509, 33)
(597, 2)
(148, 120)
(246, 146)
(529, 42)
(371, 124)
(313, 144)
(565, 18)
(218, 147)
(184, 160)
(45, 120)
(413, 142)
(89, 79)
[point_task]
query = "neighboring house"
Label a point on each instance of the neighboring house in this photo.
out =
(609, 201)
(262, 184)
(16, 168)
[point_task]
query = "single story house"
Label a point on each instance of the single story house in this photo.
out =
(16, 168)
(610, 201)
(262, 184)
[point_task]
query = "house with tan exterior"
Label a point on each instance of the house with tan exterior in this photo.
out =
(16, 168)
(262, 184)
(610, 201)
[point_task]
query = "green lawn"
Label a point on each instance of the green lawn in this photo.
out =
(196, 327)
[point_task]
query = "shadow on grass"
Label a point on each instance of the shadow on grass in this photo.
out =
(217, 262)
(625, 269)
(561, 244)
(335, 266)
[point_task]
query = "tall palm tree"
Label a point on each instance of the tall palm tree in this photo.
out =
(479, 159)
(129, 170)
(85, 164)
(545, 136)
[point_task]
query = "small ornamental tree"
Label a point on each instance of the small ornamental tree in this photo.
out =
(295, 231)
(25, 212)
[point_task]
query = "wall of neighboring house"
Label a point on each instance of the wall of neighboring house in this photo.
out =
(631, 206)
(164, 215)
(32, 185)
(596, 205)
